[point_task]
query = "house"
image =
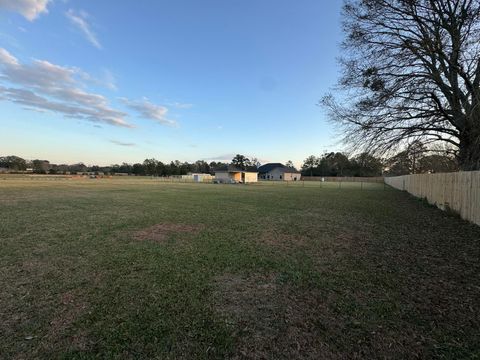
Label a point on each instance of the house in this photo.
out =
(232, 174)
(278, 171)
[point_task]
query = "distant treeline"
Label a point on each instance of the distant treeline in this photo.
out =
(148, 167)
(411, 161)
(328, 164)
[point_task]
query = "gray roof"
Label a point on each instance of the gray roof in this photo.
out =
(270, 166)
(232, 168)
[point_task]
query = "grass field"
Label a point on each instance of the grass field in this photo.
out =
(139, 269)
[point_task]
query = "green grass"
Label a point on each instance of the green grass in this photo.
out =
(273, 271)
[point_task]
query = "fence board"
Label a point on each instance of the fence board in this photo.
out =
(459, 191)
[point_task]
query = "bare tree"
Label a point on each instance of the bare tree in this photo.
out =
(411, 72)
(255, 163)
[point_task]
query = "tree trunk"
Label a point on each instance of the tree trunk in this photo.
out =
(469, 151)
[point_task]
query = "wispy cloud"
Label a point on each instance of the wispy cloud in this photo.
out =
(228, 157)
(30, 9)
(222, 158)
(42, 85)
(150, 111)
(7, 58)
(9, 40)
(120, 143)
(106, 79)
(80, 20)
(109, 80)
(181, 105)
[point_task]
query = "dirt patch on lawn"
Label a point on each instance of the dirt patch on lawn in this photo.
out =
(269, 319)
(70, 307)
(314, 241)
(160, 232)
(273, 320)
(281, 240)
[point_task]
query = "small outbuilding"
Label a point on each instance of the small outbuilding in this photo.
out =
(197, 177)
(234, 175)
(278, 171)
(202, 177)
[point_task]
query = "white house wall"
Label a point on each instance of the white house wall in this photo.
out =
(222, 176)
(291, 176)
(279, 174)
(251, 177)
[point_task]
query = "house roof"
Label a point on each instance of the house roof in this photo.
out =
(226, 168)
(232, 168)
(270, 166)
(291, 170)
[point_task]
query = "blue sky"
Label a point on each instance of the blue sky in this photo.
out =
(109, 81)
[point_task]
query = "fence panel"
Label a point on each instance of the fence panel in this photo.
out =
(459, 191)
(375, 179)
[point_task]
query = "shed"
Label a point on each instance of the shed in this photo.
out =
(232, 174)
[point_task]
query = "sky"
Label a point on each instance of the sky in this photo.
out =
(106, 82)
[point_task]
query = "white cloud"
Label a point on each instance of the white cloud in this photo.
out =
(7, 58)
(39, 73)
(150, 111)
(121, 143)
(30, 9)
(42, 85)
(222, 158)
(79, 19)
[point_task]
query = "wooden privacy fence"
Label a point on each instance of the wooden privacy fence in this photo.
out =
(459, 191)
(374, 179)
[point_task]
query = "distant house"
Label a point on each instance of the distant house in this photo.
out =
(232, 174)
(278, 171)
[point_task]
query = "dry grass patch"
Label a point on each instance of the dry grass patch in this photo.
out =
(315, 239)
(282, 241)
(161, 232)
(273, 320)
(69, 309)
